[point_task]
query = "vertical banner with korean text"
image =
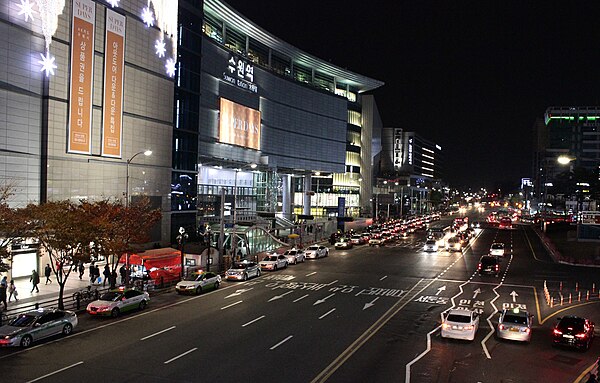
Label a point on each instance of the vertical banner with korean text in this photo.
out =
(114, 60)
(82, 77)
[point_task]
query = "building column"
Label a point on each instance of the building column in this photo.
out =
(305, 197)
(286, 208)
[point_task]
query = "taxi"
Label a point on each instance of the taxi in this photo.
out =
(514, 324)
(198, 282)
(117, 301)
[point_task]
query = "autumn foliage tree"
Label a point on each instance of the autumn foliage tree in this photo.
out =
(10, 226)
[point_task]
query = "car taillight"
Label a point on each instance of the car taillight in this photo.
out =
(501, 327)
(557, 332)
(527, 330)
(469, 327)
(497, 267)
(581, 336)
(479, 266)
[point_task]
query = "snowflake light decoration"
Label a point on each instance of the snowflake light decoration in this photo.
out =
(114, 3)
(148, 17)
(48, 65)
(170, 66)
(26, 8)
(160, 48)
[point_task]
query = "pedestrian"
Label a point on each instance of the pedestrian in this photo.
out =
(106, 274)
(3, 286)
(35, 280)
(123, 272)
(47, 273)
(81, 269)
(113, 279)
(92, 273)
(12, 289)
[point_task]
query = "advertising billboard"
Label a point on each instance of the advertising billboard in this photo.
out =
(239, 125)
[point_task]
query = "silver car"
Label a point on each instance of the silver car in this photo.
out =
(241, 271)
(274, 262)
(35, 325)
(514, 324)
(316, 251)
(294, 256)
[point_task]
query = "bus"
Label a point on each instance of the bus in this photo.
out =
(439, 232)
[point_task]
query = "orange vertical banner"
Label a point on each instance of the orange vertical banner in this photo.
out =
(114, 65)
(82, 77)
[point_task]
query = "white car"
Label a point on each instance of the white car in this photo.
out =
(241, 271)
(316, 251)
(376, 241)
(294, 256)
(430, 245)
(274, 262)
(514, 324)
(460, 324)
(497, 249)
(198, 282)
(115, 302)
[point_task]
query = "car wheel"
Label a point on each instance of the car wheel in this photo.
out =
(143, 305)
(245, 278)
(275, 268)
(67, 329)
(258, 273)
(26, 341)
(199, 290)
(216, 285)
(114, 313)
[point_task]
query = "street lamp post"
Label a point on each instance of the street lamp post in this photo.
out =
(234, 234)
(144, 152)
(181, 238)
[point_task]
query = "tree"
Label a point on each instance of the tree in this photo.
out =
(11, 229)
(120, 230)
(65, 231)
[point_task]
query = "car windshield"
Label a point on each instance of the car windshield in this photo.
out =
(575, 323)
(23, 320)
(239, 266)
(488, 261)
(497, 247)
(458, 318)
(516, 319)
(313, 248)
(270, 258)
(430, 242)
(194, 277)
(111, 296)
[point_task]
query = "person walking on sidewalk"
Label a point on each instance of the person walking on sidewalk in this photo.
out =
(3, 286)
(35, 280)
(106, 273)
(47, 273)
(12, 291)
(123, 273)
(81, 269)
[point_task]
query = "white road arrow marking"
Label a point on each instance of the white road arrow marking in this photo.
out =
(440, 290)
(372, 303)
(238, 292)
(476, 293)
(323, 300)
(280, 296)
(514, 295)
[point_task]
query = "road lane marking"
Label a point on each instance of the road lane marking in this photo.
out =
(319, 301)
(158, 333)
(181, 355)
(55, 372)
(382, 278)
(233, 304)
(370, 304)
(492, 329)
(327, 313)
(253, 320)
(276, 297)
(299, 299)
(407, 369)
(375, 327)
(309, 274)
(282, 342)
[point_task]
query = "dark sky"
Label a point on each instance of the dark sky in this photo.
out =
(470, 75)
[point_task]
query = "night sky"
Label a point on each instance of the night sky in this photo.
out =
(472, 76)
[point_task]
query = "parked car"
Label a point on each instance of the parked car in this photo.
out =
(294, 256)
(117, 301)
(273, 262)
(573, 331)
(514, 324)
(241, 271)
(198, 282)
(34, 325)
(460, 324)
(343, 243)
(316, 251)
(488, 265)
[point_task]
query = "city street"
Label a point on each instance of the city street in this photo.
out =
(364, 314)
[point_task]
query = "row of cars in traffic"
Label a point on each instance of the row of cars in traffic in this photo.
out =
(516, 325)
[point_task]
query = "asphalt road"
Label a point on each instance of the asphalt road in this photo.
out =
(361, 315)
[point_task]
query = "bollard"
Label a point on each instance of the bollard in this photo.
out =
(579, 297)
(37, 305)
(560, 288)
(576, 286)
(593, 287)
(561, 300)
(551, 302)
(569, 297)
(587, 295)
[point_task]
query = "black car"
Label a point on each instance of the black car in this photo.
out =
(488, 265)
(574, 332)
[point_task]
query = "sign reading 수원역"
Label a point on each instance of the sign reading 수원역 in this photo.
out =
(240, 73)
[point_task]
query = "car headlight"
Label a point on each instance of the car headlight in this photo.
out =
(190, 287)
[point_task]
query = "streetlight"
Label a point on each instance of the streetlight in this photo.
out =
(146, 153)
(181, 240)
(233, 235)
